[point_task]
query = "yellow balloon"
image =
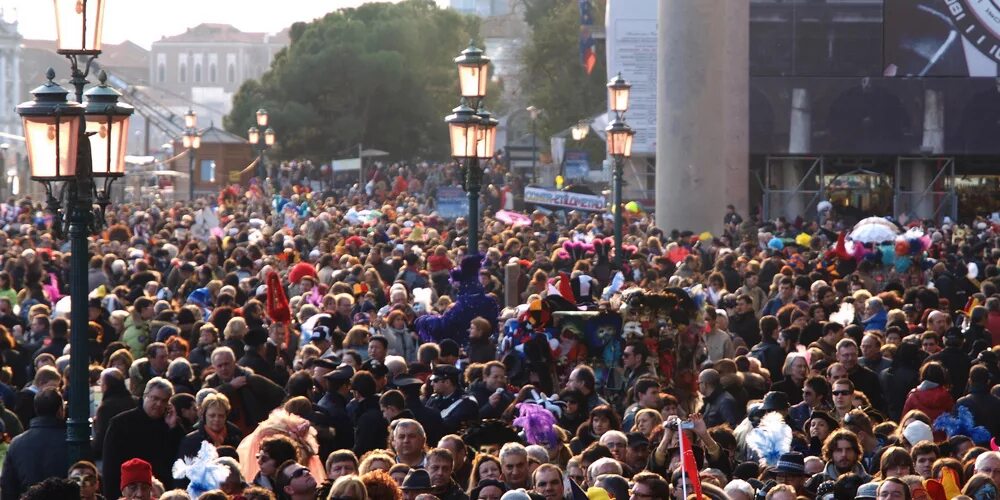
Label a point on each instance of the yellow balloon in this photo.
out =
(632, 207)
(559, 181)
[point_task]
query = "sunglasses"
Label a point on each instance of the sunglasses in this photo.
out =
(298, 473)
(842, 393)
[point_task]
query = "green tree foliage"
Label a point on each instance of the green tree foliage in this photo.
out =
(554, 78)
(381, 75)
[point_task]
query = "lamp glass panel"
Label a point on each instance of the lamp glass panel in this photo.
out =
(40, 138)
(261, 118)
(196, 141)
(618, 99)
(463, 140)
(79, 25)
(113, 134)
(472, 79)
(190, 120)
(254, 136)
(269, 137)
(627, 147)
(487, 143)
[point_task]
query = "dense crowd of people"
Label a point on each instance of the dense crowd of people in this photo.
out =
(344, 343)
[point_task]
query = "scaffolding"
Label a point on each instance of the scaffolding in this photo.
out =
(804, 174)
(935, 201)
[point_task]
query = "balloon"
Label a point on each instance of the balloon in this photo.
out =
(888, 254)
(775, 244)
(632, 207)
(803, 240)
(705, 236)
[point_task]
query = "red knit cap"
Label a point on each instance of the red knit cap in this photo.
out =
(136, 470)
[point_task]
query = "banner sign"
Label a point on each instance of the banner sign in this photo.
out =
(576, 165)
(564, 199)
(452, 202)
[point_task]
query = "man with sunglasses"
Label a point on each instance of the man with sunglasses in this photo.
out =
(296, 481)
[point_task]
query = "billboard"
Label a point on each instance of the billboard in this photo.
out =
(631, 50)
(942, 37)
(564, 199)
(452, 202)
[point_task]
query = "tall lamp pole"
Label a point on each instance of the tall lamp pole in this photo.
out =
(472, 131)
(619, 147)
(534, 112)
(77, 150)
(192, 141)
(261, 143)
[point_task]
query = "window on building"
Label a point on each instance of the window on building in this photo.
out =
(207, 171)
(197, 73)
(211, 73)
(161, 72)
(182, 73)
(231, 73)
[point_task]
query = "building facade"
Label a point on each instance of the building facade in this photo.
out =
(207, 63)
(10, 77)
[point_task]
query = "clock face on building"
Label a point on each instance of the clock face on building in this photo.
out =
(979, 22)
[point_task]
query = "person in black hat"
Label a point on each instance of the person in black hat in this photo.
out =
(450, 352)
(450, 400)
(370, 428)
(379, 371)
(637, 452)
(791, 470)
(417, 481)
(333, 404)
(253, 356)
(775, 401)
(429, 418)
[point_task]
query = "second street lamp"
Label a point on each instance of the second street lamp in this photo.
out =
(191, 141)
(262, 138)
(619, 136)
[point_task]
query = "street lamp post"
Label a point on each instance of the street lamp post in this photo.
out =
(71, 146)
(261, 143)
(619, 147)
(472, 131)
(191, 141)
(534, 112)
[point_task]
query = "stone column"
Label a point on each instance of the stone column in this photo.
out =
(702, 143)
(920, 174)
(799, 141)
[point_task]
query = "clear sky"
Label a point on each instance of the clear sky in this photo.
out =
(145, 21)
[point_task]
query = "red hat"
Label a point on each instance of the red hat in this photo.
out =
(136, 470)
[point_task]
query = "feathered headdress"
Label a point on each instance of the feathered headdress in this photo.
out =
(202, 470)
(538, 424)
(962, 423)
(770, 439)
(277, 303)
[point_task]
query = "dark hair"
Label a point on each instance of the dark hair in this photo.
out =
(48, 402)
(595, 452)
(586, 375)
(606, 411)
(393, 398)
(53, 487)
(280, 448)
(658, 486)
(646, 383)
(900, 482)
(933, 371)
(820, 385)
(380, 339)
(768, 326)
(839, 435)
(640, 349)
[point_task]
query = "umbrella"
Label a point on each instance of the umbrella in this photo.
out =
(874, 230)
(513, 218)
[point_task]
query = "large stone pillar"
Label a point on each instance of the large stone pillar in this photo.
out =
(702, 119)
(799, 141)
(920, 174)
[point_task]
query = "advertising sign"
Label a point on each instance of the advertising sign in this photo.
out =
(564, 199)
(942, 37)
(452, 202)
(576, 165)
(631, 50)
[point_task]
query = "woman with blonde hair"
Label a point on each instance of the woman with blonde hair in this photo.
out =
(357, 341)
(375, 460)
(646, 421)
(214, 427)
(349, 487)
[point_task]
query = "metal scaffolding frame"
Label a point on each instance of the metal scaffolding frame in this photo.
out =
(944, 200)
(777, 200)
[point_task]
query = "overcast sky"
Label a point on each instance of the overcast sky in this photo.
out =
(145, 21)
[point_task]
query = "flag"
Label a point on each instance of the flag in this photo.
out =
(689, 467)
(588, 52)
(972, 303)
(950, 482)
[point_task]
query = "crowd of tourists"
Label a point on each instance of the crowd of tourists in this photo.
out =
(346, 344)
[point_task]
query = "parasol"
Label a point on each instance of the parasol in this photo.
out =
(513, 218)
(874, 230)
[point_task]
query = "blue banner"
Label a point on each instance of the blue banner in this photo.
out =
(452, 202)
(576, 165)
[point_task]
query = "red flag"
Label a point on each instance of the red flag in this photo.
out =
(689, 467)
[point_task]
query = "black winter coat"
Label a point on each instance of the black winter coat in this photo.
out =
(192, 442)
(38, 453)
(257, 398)
(371, 431)
(112, 404)
(134, 434)
(897, 382)
(984, 407)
